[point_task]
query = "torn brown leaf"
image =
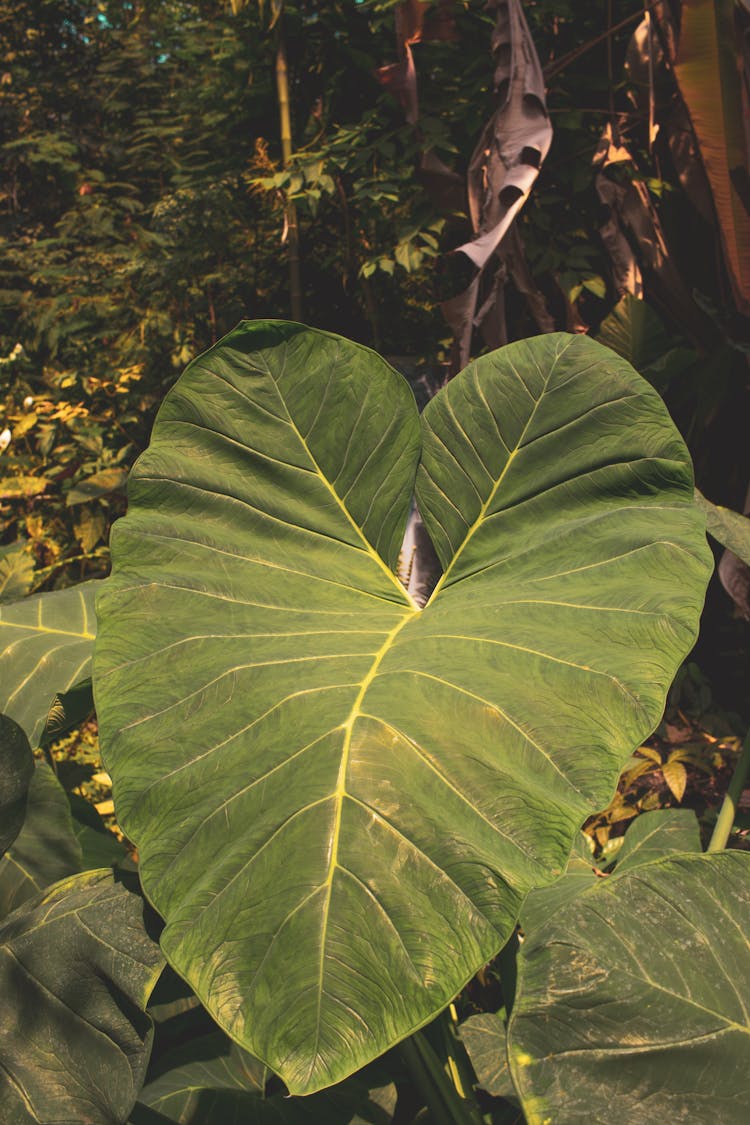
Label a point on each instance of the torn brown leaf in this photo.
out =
(502, 171)
(634, 237)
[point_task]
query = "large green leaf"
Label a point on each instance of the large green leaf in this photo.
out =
(77, 965)
(484, 1035)
(546, 901)
(46, 644)
(340, 801)
(46, 848)
(632, 1000)
(16, 772)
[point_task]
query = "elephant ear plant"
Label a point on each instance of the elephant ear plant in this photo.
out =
(344, 803)
(340, 799)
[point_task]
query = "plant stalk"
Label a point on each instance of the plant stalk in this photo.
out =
(442, 1099)
(285, 121)
(728, 811)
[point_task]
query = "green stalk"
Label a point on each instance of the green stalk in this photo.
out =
(285, 123)
(433, 1084)
(457, 1062)
(728, 811)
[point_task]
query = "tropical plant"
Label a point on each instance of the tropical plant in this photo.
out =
(344, 803)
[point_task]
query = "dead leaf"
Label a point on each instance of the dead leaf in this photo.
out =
(502, 170)
(419, 567)
(633, 221)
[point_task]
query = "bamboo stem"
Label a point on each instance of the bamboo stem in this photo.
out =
(728, 811)
(285, 122)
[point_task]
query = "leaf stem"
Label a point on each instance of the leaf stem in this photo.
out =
(282, 91)
(728, 810)
(442, 1099)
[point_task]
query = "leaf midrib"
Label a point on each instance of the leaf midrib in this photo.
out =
(367, 547)
(338, 796)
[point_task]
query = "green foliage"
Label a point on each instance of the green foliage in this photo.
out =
(485, 1040)
(654, 834)
(16, 570)
(401, 756)
(729, 528)
(143, 212)
(47, 645)
(320, 533)
(100, 282)
(211, 1080)
(77, 966)
(637, 333)
(46, 848)
(694, 746)
(657, 950)
(606, 963)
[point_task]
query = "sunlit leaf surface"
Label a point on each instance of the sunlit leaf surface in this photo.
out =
(632, 1003)
(46, 644)
(340, 800)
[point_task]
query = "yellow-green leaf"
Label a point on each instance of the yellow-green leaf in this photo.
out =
(675, 776)
(21, 487)
(352, 795)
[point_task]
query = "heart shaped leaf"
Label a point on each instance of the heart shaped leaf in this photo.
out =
(661, 953)
(341, 800)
